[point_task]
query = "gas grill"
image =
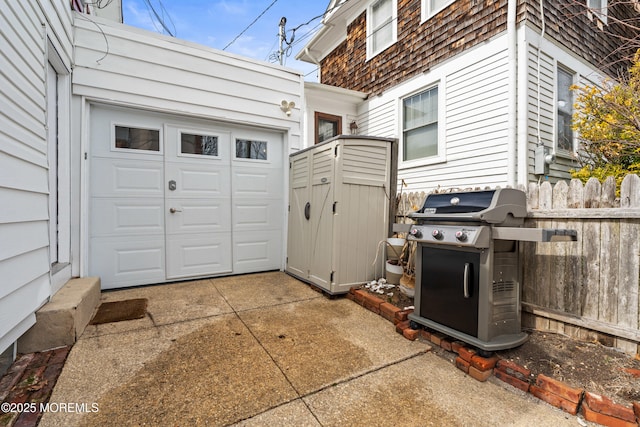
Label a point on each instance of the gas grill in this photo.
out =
(467, 270)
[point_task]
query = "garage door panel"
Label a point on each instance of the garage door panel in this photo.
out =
(257, 251)
(126, 262)
(194, 255)
(257, 214)
(258, 182)
(199, 180)
(112, 217)
(127, 178)
(199, 216)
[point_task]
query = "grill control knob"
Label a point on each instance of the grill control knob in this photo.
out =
(415, 232)
(437, 234)
(461, 236)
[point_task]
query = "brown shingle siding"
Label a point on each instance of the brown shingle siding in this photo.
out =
(460, 26)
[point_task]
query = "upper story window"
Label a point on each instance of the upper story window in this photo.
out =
(564, 105)
(382, 30)
(420, 125)
(431, 7)
(599, 8)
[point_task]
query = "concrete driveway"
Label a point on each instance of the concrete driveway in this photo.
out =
(266, 349)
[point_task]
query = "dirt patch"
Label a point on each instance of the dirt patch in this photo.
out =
(587, 365)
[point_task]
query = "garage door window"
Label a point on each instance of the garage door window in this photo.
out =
(131, 138)
(201, 145)
(250, 149)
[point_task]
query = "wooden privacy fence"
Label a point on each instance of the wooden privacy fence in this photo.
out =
(587, 289)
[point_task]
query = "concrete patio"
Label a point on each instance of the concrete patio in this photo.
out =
(266, 349)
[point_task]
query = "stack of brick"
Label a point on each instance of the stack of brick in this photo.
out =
(593, 407)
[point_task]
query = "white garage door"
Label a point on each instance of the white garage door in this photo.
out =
(176, 198)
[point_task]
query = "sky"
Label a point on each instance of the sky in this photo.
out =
(217, 23)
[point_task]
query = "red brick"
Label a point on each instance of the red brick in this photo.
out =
(59, 355)
(462, 364)
(400, 327)
(425, 335)
(388, 311)
(466, 353)
(456, 345)
(40, 359)
(372, 303)
(633, 372)
(436, 338)
(410, 334)
(484, 363)
(636, 409)
(606, 406)
(403, 315)
(554, 399)
(27, 419)
(359, 296)
(445, 344)
(605, 420)
(480, 375)
(513, 369)
(559, 388)
(511, 380)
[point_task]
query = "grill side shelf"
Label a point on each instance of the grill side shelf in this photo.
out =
(535, 234)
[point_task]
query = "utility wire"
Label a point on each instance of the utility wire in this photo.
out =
(250, 25)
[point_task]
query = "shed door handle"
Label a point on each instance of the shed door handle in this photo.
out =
(307, 210)
(466, 279)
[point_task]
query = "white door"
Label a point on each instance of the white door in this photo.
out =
(197, 202)
(174, 199)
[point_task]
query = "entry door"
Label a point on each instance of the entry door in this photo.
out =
(197, 202)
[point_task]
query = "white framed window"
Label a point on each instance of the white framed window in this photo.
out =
(420, 131)
(251, 149)
(431, 7)
(382, 27)
(564, 110)
(599, 9)
(198, 144)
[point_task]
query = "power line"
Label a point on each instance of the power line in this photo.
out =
(250, 25)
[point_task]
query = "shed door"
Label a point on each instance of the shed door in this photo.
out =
(179, 198)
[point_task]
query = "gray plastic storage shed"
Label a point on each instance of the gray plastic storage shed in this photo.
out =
(340, 195)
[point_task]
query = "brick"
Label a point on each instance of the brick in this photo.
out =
(559, 388)
(480, 375)
(372, 303)
(8, 382)
(466, 353)
(410, 334)
(633, 372)
(636, 410)
(21, 363)
(606, 406)
(436, 338)
(27, 419)
(462, 364)
(359, 296)
(511, 380)
(445, 344)
(400, 327)
(605, 420)
(513, 369)
(388, 311)
(484, 363)
(554, 399)
(403, 315)
(456, 345)
(40, 359)
(425, 335)
(59, 355)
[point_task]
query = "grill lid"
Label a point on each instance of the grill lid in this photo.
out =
(504, 206)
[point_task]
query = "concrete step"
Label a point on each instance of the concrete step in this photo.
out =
(62, 320)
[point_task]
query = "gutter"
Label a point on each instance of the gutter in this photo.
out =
(512, 134)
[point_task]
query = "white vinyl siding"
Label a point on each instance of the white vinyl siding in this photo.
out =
(178, 77)
(24, 181)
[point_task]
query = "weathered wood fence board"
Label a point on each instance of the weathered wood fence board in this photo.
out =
(589, 289)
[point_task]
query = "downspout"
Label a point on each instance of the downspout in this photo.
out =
(512, 134)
